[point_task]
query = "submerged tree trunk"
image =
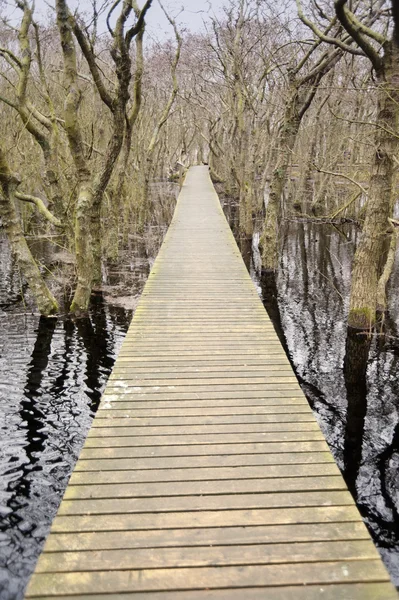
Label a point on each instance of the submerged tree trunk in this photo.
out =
(247, 187)
(368, 260)
(83, 248)
(45, 301)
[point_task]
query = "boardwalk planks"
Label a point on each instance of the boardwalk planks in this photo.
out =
(205, 475)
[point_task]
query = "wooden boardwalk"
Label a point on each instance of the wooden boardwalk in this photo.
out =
(205, 475)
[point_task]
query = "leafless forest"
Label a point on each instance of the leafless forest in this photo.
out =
(293, 105)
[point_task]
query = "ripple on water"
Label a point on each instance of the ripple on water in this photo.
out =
(52, 373)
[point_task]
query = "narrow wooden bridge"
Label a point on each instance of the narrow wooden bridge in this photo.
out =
(205, 474)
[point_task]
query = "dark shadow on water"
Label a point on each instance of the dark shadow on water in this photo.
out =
(268, 285)
(31, 422)
(30, 413)
(93, 331)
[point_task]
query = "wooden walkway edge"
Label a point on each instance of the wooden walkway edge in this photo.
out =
(205, 475)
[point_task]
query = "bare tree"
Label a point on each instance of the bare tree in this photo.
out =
(91, 186)
(9, 183)
(382, 52)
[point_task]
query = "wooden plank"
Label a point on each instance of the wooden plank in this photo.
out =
(205, 502)
(260, 554)
(213, 487)
(196, 440)
(209, 387)
(185, 362)
(199, 462)
(125, 420)
(130, 371)
(193, 519)
(205, 430)
(127, 374)
(356, 591)
(131, 410)
(207, 577)
(215, 536)
(234, 450)
(210, 353)
(206, 473)
(217, 405)
(264, 393)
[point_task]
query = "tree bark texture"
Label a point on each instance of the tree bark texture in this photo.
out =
(45, 301)
(368, 260)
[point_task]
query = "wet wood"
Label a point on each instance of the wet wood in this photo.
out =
(205, 474)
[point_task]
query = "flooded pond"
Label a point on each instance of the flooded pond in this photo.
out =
(52, 373)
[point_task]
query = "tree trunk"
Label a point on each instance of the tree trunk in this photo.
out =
(368, 260)
(83, 248)
(269, 239)
(45, 301)
(387, 272)
(118, 195)
(247, 186)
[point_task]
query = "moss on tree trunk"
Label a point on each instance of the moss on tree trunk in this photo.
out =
(45, 301)
(269, 239)
(368, 261)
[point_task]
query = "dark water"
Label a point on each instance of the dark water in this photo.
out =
(350, 380)
(52, 373)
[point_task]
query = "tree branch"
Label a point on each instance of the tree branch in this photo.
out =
(348, 21)
(42, 208)
(137, 27)
(326, 38)
(165, 114)
(11, 58)
(91, 61)
(334, 174)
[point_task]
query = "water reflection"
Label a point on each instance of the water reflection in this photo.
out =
(48, 402)
(350, 380)
(355, 368)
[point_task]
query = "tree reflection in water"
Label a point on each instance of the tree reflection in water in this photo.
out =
(351, 380)
(56, 372)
